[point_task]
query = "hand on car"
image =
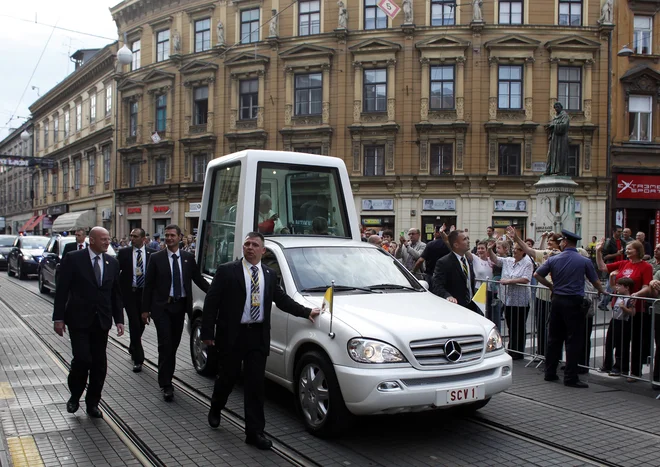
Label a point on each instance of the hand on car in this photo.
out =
(314, 313)
(452, 300)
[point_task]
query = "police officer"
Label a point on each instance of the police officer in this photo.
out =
(567, 317)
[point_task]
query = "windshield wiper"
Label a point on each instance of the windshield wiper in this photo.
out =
(391, 287)
(323, 288)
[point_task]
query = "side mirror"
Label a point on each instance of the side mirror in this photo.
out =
(424, 284)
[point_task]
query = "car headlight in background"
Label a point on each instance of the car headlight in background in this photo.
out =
(2, 256)
(371, 351)
(494, 341)
(26, 257)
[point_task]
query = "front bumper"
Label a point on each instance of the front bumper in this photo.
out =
(30, 266)
(3, 263)
(417, 390)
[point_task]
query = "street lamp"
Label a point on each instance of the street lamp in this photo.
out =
(125, 56)
(25, 136)
(625, 51)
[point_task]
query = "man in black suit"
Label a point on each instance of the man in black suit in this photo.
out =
(239, 322)
(79, 244)
(453, 277)
(87, 299)
(133, 262)
(167, 297)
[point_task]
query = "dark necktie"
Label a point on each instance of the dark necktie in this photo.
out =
(97, 270)
(80, 246)
(139, 278)
(254, 292)
(466, 271)
(176, 277)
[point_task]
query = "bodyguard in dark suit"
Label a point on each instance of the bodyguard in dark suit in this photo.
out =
(240, 324)
(79, 244)
(87, 299)
(453, 277)
(167, 297)
(133, 262)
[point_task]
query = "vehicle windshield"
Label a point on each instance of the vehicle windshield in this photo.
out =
(34, 243)
(350, 267)
(300, 200)
(7, 241)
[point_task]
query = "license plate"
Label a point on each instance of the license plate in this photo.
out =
(461, 395)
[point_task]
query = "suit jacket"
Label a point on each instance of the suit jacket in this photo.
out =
(158, 281)
(125, 258)
(78, 297)
(225, 302)
(71, 246)
(449, 281)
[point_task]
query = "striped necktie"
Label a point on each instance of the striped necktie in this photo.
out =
(254, 291)
(466, 271)
(139, 278)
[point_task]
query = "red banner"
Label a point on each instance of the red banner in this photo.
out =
(134, 210)
(657, 227)
(637, 186)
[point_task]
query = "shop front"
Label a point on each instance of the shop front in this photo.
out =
(52, 213)
(192, 218)
(378, 214)
(510, 212)
(637, 204)
(435, 212)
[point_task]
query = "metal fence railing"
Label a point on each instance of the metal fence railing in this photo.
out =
(629, 348)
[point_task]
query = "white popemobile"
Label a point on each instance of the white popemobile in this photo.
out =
(393, 347)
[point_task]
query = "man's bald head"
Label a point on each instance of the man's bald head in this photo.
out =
(99, 240)
(375, 240)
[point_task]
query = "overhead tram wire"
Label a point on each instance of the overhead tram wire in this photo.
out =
(58, 27)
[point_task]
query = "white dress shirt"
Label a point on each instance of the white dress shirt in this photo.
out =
(169, 257)
(135, 264)
(247, 275)
(93, 255)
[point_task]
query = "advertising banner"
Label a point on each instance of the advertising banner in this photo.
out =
(637, 186)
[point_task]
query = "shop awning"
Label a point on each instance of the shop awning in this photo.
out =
(34, 222)
(75, 220)
(25, 226)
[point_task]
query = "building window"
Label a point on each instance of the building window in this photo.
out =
(91, 166)
(106, 163)
(639, 117)
(573, 165)
(374, 160)
(375, 90)
(309, 94)
(202, 35)
(511, 12)
(161, 112)
(643, 34)
(78, 117)
(46, 124)
(77, 165)
(36, 139)
(108, 101)
(161, 169)
(56, 128)
(201, 105)
(199, 167)
(509, 159)
(374, 17)
(442, 159)
(570, 12)
(163, 45)
(570, 87)
(133, 118)
(55, 183)
(134, 174)
(135, 48)
(309, 17)
(442, 87)
(92, 107)
(44, 177)
(250, 26)
(510, 87)
(248, 99)
(65, 177)
(67, 123)
(442, 12)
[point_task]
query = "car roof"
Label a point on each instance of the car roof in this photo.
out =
(8, 236)
(322, 241)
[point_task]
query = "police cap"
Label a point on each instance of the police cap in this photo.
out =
(570, 236)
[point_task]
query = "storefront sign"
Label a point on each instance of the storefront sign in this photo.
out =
(47, 223)
(657, 226)
(510, 205)
(378, 205)
(195, 207)
(134, 211)
(371, 221)
(637, 186)
(57, 209)
(439, 205)
(538, 166)
(161, 209)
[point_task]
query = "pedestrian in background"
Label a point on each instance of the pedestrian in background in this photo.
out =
(167, 297)
(618, 330)
(410, 251)
(87, 299)
(155, 242)
(434, 250)
(79, 244)
(648, 251)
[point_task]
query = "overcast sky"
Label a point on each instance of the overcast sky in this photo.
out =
(21, 44)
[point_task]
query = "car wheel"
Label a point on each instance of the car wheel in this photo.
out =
(318, 396)
(10, 273)
(203, 357)
(21, 273)
(42, 287)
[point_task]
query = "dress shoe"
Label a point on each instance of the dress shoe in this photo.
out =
(214, 418)
(94, 412)
(168, 393)
(576, 384)
(551, 377)
(137, 368)
(72, 406)
(260, 441)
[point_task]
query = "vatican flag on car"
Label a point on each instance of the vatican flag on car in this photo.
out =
(327, 300)
(480, 297)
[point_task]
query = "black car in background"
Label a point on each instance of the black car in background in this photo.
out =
(6, 244)
(25, 255)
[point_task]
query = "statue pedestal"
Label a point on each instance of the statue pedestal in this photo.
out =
(555, 205)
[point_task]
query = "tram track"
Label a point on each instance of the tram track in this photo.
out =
(290, 454)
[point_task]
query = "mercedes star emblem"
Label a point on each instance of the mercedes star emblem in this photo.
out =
(453, 351)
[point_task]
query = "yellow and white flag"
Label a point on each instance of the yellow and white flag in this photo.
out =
(327, 300)
(480, 297)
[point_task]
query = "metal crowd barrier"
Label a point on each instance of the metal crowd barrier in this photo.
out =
(524, 329)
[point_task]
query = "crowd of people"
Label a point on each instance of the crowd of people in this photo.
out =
(155, 242)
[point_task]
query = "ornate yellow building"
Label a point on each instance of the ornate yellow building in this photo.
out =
(438, 113)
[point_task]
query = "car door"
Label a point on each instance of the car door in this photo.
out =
(278, 322)
(48, 261)
(13, 255)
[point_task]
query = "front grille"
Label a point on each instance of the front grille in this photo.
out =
(432, 351)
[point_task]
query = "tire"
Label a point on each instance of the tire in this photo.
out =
(10, 273)
(42, 287)
(21, 275)
(204, 358)
(318, 396)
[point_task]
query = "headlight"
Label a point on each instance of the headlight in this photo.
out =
(2, 256)
(494, 341)
(371, 351)
(27, 257)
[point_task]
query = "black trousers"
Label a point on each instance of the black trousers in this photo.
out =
(567, 327)
(641, 341)
(516, 319)
(136, 326)
(89, 361)
(656, 358)
(169, 326)
(618, 339)
(542, 314)
(249, 351)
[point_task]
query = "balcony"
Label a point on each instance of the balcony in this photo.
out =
(197, 129)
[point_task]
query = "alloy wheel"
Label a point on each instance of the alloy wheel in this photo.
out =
(313, 394)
